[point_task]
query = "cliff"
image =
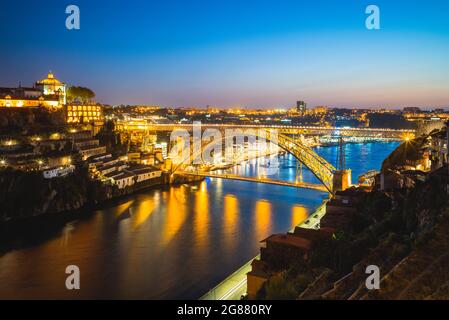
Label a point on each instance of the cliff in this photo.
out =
(28, 194)
(29, 120)
(25, 194)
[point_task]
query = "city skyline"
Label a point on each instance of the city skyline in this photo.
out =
(236, 55)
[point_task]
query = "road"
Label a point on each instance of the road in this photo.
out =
(306, 185)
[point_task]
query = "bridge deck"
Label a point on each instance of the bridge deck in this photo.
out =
(305, 185)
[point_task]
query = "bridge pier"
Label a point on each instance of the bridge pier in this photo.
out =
(341, 180)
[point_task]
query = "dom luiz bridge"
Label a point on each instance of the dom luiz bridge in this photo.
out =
(379, 133)
(331, 179)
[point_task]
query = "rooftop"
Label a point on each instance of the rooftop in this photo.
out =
(50, 80)
(289, 240)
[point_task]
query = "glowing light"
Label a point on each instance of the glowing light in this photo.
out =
(231, 216)
(201, 221)
(299, 215)
(263, 218)
(144, 210)
(176, 214)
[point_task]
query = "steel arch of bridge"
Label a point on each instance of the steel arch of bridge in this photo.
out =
(320, 167)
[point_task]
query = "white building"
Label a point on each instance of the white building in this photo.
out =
(60, 171)
(124, 180)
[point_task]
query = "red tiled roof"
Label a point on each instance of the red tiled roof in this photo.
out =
(290, 240)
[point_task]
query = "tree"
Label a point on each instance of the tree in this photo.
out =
(279, 287)
(81, 94)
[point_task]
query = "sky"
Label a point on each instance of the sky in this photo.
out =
(234, 53)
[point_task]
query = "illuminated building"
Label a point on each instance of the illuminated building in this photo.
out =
(301, 107)
(320, 109)
(12, 101)
(163, 147)
(51, 86)
(84, 113)
(48, 93)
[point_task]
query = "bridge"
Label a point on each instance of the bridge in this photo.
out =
(394, 134)
(321, 168)
(332, 179)
(255, 179)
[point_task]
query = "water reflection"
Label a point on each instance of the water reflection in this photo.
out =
(299, 214)
(176, 213)
(262, 215)
(201, 217)
(143, 211)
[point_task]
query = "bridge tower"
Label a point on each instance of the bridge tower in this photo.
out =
(342, 176)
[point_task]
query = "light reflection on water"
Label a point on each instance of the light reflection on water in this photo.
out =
(174, 243)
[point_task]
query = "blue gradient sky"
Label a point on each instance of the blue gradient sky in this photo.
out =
(234, 52)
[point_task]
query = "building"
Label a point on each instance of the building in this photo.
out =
(439, 148)
(411, 110)
(320, 110)
(113, 167)
(48, 92)
(256, 278)
(59, 171)
(19, 102)
(162, 148)
(279, 251)
(51, 86)
(91, 150)
(80, 113)
(301, 107)
(144, 173)
(124, 179)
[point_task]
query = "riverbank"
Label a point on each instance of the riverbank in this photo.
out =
(13, 231)
(26, 195)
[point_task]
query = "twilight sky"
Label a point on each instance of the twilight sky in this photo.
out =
(234, 52)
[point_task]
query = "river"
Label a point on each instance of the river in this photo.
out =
(175, 243)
